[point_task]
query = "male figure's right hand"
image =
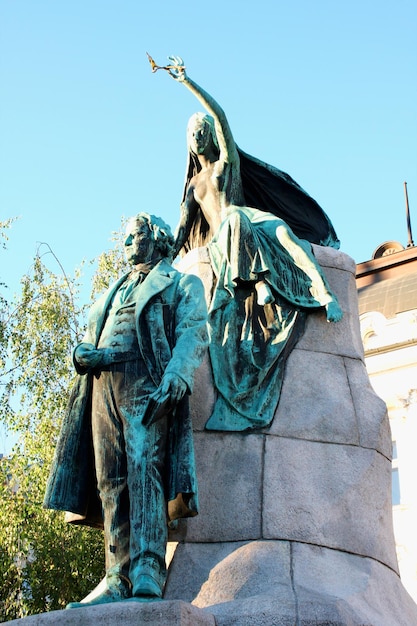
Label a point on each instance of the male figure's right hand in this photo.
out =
(87, 355)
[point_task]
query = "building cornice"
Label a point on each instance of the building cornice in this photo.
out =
(392, 265)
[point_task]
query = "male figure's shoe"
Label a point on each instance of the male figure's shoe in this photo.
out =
(146, 586)
(115, 592)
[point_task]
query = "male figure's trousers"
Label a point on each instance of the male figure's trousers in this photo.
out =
(130, 468)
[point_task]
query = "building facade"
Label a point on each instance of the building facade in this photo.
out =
(387, 292)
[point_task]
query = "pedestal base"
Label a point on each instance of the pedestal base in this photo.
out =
(159, 613)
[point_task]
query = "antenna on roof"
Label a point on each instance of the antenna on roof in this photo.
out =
(410, 243)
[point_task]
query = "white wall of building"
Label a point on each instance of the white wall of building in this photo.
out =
(391, 360)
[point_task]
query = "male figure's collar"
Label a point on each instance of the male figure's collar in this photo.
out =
(143, 268)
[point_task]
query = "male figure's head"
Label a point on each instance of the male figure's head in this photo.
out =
(148, 238)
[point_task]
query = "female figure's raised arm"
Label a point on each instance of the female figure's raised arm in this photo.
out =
(227, 146)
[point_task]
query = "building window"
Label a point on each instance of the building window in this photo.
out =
(396, 495)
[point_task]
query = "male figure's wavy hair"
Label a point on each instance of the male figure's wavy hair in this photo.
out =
(161, 233)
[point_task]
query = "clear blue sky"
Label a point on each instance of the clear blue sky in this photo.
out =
(324, 90)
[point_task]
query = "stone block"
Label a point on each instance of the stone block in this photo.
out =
(255, 568)
(329, 495)
(370, 409)
(338, 588)
(229, 472)
(252, 585)
(330, 257)
(316, 402)
(241, 583)
(191, 565)
(342, 338)
(203, 397)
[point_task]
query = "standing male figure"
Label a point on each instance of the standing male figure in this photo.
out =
(145, 338)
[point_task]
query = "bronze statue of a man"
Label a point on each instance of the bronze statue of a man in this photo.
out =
(127, 436)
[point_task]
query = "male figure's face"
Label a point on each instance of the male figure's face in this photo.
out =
(139, 244)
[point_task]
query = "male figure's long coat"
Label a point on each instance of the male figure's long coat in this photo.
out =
(170, 316)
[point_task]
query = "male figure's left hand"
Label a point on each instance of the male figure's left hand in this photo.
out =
(168, 394)
(172, 386)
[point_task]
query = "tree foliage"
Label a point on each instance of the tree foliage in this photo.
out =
(44, 562)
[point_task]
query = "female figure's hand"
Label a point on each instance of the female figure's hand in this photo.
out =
(177, 69)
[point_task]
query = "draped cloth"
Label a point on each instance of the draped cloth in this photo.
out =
(249, 343)
(267, 238)
(270, 189)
